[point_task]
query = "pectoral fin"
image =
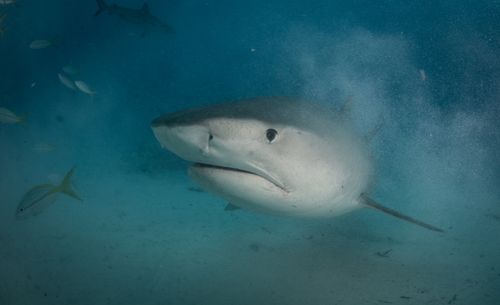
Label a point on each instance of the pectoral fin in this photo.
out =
(373, 204)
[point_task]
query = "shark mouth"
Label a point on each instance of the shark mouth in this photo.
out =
(264, 176)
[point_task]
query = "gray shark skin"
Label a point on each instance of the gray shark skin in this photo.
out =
(276, 155)
(140, 16)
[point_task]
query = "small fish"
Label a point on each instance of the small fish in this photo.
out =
(7, 2)
(70, 70)
(39, 197)
(40, 44)
(68, 83)
(44, 147)
(9, 117)
(33, 84)
(423, 75)
(84, 88)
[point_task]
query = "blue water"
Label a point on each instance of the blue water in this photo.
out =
(145, 233)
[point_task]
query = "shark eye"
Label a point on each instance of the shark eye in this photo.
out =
(271, 135)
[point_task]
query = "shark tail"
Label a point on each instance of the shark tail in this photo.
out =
(102, 6)
(65, 186)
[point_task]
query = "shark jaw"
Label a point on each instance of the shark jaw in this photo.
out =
(200, 168)
(241, 188)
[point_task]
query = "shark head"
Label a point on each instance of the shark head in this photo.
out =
(274, 155)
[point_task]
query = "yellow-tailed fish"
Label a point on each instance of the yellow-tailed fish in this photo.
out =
(39, 197)
(68, 83)
(84, 88)
(7, 2)
(423, 75)
(9, 117)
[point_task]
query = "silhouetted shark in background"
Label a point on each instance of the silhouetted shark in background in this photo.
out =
(140, 16)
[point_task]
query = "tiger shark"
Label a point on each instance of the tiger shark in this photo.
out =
(276, 155)
(140, 16)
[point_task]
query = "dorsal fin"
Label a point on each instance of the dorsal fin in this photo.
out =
(145, 8)
(373, 204)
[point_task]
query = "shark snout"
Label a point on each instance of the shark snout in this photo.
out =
(190, 142)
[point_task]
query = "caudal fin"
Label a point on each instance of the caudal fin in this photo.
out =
(65, 186)
(373, 204)
(102, 6)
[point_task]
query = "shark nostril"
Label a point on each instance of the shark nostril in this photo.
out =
(206, 150)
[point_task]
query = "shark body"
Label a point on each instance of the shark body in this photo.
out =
(142, 16)
(276, 155)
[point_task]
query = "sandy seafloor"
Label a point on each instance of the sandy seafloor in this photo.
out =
(136, 241)
(146, 234)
